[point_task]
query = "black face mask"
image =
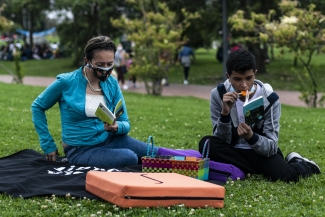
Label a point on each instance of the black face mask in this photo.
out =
(101, 73)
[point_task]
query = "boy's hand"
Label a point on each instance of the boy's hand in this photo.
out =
(228, 101)
(244, 131)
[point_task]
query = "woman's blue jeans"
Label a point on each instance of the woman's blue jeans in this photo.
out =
(117, 151)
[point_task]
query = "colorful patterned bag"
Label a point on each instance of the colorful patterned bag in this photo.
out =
(196, 167)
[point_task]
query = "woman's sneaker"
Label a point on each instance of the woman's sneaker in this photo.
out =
(294, 157)
(125, 87)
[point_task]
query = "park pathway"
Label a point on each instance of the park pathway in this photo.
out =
(199, 91)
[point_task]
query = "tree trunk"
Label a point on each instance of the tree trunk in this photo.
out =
(272, 52)
(313, 92)
(81, 40)
(153, 87)
(31, 28)
(314, 97)
(295, 61)
(260, 56)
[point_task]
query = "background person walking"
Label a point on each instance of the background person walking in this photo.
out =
(184, 57)
(120, 65)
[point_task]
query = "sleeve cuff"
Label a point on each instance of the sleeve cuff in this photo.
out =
(118, 127)
(50, 150)
(253, 140)
(225, 118)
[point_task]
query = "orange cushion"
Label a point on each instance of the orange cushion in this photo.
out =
(153, 189)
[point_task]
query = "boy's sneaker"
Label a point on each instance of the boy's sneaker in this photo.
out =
(295, 157)
(186, 82)
(291, 156)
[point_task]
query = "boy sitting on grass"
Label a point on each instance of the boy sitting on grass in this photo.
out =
(254, 149)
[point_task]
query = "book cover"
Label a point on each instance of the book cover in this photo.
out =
(104, 114)
(254, 110)
(119, 109)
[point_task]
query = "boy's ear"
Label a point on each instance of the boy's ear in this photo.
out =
(227, 75)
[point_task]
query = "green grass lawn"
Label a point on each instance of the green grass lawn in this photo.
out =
(206, 70)
(174, 122)
(47, 68)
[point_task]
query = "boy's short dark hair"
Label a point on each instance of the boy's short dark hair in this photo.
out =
(240, 61)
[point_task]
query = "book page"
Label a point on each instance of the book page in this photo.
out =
(252, 101)
(104, 114)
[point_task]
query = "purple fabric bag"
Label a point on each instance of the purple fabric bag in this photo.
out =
(217, 171)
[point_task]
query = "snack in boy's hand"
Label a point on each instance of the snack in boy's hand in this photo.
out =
(243, 92)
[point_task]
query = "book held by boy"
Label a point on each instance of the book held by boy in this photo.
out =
(104, 114)
(254, 110)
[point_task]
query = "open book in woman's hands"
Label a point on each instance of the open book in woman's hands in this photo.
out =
(104, 114)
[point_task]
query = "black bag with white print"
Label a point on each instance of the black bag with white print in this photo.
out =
(27, 173)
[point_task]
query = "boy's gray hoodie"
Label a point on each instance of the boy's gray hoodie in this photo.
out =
(266, 132)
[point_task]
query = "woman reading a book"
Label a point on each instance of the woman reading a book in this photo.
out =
(252, 148)
(85, 138)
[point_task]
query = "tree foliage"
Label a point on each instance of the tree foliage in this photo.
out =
(5, 24)
(34, 11)
(200, 32)
(302, 30)
(18, 78)
(320, 4)
(156, 35)
(90, 18)
(248, 24)
(253, 32)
